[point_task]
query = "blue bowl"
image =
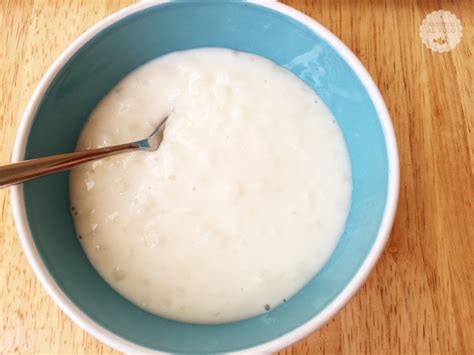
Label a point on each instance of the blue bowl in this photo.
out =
(94, 63)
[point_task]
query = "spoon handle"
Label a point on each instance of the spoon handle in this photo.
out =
(16, 173)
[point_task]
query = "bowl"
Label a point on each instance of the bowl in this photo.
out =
(96, 61)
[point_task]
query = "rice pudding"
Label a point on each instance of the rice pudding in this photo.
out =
(238, 209)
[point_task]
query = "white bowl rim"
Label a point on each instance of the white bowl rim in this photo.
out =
(104, 335)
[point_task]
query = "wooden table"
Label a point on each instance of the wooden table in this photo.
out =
(420, 296)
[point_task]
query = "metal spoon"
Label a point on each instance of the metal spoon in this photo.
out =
(17, 173)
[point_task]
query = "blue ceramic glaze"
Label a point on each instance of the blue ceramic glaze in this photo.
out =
(169, 27)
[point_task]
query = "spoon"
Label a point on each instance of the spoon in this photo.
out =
(17, 173)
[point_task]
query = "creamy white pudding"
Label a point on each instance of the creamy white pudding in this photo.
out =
(238, 209)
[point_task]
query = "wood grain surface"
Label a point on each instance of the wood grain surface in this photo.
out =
(420, 297)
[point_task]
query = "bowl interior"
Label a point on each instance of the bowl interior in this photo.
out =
(158, 30)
